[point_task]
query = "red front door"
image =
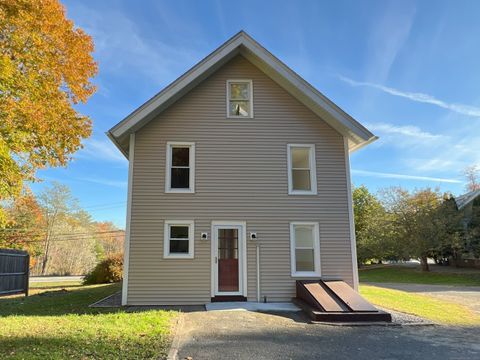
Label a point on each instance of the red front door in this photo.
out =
(228, 269)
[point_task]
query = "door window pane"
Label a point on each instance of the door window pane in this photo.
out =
(304, 260)
(228, 243)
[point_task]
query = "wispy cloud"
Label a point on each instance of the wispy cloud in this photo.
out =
(103, 150)
(418, 97)
(404, 176)
(107, 182)
(129, 49)
(406, 130)
(388, 35)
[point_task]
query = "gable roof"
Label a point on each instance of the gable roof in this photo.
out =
(465, 199)
(241, 43)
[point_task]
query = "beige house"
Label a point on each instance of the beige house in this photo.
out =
(239, 184)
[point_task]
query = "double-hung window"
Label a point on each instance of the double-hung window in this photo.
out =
(305, 248)
(180, 176)
(302, 178)
(178, 239)
(239, 99)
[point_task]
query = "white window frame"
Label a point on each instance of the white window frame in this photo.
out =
(313, 170)
(250, 100)
(168, 179)
(166, 239)
(316, 250)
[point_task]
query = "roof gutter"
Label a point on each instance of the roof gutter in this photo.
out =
(363, 144)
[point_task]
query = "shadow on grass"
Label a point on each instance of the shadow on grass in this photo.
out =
(37, 288)
(59, 302)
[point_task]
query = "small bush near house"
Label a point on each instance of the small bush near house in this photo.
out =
(106, 271)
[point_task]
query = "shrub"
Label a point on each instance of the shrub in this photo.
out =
(109, 270)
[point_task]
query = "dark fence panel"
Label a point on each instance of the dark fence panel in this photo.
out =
(14, 271)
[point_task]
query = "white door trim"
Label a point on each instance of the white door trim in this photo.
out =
(242, 255)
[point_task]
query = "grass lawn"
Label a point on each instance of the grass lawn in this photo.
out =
(439, 311)
(402, 274)
(57, 324)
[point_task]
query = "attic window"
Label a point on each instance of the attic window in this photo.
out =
(239, 99)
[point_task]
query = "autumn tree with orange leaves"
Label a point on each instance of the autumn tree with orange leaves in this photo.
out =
(46, 67)
(24, 225)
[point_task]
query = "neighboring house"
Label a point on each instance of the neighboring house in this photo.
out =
(469, 205)
(465, 203)
(239, 184)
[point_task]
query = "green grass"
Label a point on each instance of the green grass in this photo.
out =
(438, 311)
(58, 324)
(401, 274)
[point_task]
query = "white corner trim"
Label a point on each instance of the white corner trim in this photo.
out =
(353, 240)
(313, 170)
(126, 251)
(316, 250)
(191, 239)
(250, 100)
(168, 161)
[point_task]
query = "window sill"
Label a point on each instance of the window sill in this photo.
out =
(239, 117)
(179, 191)
(176, 257)
(305, 274)
(302, 193)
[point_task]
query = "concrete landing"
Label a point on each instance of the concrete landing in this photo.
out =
(252, 306)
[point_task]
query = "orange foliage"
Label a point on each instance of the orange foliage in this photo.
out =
(24, 225)
(46, 65)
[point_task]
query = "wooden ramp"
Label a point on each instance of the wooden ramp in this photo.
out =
(336, 301)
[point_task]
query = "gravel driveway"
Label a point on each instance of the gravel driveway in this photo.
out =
(252, 335)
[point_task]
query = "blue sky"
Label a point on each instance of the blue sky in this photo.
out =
(407, 70)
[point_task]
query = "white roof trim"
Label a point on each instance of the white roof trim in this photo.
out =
(357, 135)
(465, 199)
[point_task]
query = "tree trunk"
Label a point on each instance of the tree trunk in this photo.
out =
(424, 263)
(45, 255)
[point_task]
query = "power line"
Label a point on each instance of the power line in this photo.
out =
(74, 234)
(61, 240)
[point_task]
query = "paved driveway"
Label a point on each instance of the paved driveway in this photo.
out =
(465, 295)
(251, 335)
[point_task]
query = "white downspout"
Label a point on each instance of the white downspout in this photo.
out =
(258, 271)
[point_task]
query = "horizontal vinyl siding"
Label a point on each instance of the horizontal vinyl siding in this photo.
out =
(241, 174)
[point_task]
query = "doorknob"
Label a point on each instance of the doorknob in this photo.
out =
(216, 259)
